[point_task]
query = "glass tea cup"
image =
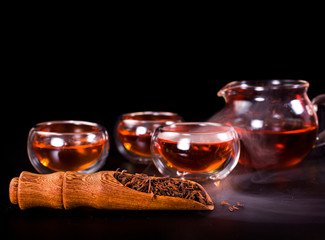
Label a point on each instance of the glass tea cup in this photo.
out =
(68, 146)
(195, 150)
(134, 130)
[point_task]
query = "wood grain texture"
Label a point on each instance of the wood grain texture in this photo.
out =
(37, 190)
(98, 190)
(13, 190)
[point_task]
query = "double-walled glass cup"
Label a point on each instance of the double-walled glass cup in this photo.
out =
(195, 150)
(134, 130)
(68, 146)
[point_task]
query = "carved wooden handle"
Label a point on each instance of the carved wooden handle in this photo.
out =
(66, 190)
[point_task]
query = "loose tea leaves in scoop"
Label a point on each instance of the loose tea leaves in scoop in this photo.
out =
(163, 186)
(110, 190)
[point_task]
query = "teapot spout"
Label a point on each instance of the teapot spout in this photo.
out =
(225, 114)
(223, 92)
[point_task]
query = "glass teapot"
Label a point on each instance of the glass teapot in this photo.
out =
(276, 121)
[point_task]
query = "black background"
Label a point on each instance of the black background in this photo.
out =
(87, 71)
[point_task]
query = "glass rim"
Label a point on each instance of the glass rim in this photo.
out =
(264, 84)
(74, 122)
(150, 113)
(218, 125)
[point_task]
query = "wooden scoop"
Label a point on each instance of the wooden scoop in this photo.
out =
(101, 190)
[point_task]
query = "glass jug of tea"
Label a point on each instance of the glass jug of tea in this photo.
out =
(276, 122)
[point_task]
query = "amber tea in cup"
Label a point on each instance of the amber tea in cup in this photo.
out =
(68, 146)
(134, 131)
(195, 150)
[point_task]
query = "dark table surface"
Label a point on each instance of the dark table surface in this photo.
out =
(287, 204)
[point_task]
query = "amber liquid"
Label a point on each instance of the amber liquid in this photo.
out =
(71, 156)
(275, 149)
(137, 144)
(199, 157)
(140, 144)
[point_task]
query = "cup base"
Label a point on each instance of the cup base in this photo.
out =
(140, 160)
(93, 168)
(198, 177)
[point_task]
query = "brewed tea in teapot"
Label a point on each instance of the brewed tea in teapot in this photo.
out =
(276, 121)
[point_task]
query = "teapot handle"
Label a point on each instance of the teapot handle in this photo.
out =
(317, 102)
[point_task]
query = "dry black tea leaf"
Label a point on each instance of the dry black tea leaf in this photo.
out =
(163, 186)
